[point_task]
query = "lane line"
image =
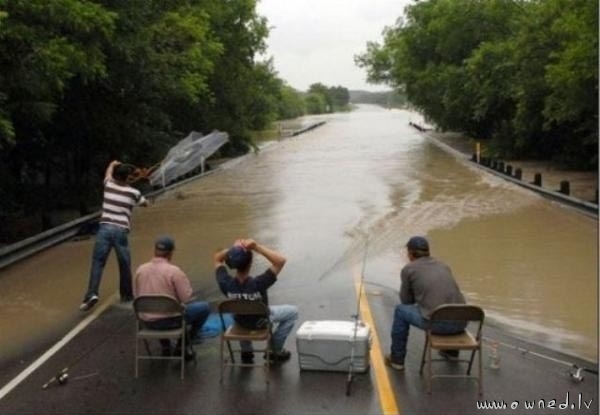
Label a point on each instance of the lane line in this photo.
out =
(387, 397)
(59, 345)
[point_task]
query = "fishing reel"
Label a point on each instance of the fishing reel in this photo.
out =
(61, 378)
(576, 375)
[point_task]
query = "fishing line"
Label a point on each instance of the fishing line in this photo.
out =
(347, 254)
(576, 376)
(62, 376)
(340, 260)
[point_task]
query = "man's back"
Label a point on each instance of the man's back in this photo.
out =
(159, 276)
(429, 283)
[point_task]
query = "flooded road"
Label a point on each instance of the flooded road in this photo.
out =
(530, 263)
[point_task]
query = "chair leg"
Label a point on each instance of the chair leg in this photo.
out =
(137, 343)
(267, 361)
(471, 362)
(231, 357)
(182, 353)
(222, 359)
(429, 370)
(480, 372)
(423, 356)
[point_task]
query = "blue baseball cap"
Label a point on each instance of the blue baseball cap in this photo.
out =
(238, 257)
(417, 243)
(164, 243)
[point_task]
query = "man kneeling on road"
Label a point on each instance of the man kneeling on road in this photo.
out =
(426, 284)
(239, 257)
(160, 276)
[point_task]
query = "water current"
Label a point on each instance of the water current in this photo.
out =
(531, 263)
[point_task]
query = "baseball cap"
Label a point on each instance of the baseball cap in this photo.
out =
(238, 257)
(417, 243)
(165, 243)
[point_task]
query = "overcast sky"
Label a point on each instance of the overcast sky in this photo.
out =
(316, 40)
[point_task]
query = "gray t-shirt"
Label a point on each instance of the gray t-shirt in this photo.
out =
(429, 283)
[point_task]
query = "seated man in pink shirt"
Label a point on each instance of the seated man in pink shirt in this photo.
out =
(160, 276)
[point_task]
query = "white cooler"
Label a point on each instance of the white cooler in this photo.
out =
(327, 345)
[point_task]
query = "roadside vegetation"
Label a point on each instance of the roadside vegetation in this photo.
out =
(387, 99)
(83, 82)
(521, 75)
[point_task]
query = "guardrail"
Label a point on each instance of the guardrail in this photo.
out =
(308, 128)
(583, 205)
(30, 246)
(27, 247)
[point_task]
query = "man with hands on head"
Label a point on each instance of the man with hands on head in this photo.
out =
(244, 286)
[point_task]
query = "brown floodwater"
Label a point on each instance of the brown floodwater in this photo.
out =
(531, 263)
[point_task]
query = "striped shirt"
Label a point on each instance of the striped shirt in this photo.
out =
(118, 203)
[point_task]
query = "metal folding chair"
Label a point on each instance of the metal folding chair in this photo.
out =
(461, 341)
(236, 332)
(158, 304)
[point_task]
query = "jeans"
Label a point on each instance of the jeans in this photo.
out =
(111, 236)
(195, 315)
(406, 315)
(283, 317)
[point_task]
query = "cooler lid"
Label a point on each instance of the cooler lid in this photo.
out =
(332, 330)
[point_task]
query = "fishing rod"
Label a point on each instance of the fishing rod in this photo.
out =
(576, 376)
(356, 321)
(62, 377)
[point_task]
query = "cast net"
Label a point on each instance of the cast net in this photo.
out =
(187, 157)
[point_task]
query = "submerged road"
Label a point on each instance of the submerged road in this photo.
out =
(316, 198)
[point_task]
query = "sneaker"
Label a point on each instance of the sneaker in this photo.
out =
(248, 358)
(89, 303)
(394, 364)
(451, 355)
(280, 356)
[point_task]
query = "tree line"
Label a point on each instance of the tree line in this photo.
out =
(83, 82)
(387, 99)
(520, 74)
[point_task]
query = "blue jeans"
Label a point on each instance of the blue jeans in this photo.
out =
(111, 236)
(406, 315)
(195, 315)
(283, 318)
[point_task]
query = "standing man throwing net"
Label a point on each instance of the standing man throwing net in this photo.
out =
(118, 203)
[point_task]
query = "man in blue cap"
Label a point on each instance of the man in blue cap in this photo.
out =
(426, 284)
(242, 285)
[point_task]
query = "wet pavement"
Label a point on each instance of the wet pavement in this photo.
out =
(100, 365)
(316, 198)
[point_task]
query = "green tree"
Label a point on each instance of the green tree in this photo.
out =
(158, 63)
(521, 73)
(340, 97)
(291, 104)
(571, 106)
(43, 47)
(315, 103)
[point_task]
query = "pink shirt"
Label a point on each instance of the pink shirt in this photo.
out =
(159, 276)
